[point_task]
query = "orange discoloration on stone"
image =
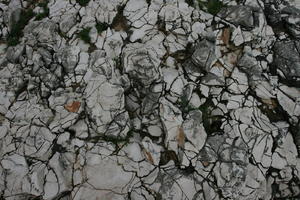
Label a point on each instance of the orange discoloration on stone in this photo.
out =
(149, 157)
(272, 104)
(225, 37)
(205, 163)
(73, 106)
(180, 137)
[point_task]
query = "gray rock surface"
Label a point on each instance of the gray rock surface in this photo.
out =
(286, 60)
(149, 99)
(238, 15)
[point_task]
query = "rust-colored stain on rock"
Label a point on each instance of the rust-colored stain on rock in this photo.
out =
(271, 103)
(181, 137)
(205, 163)
(149, 157)
(225, 37)
(73, 106)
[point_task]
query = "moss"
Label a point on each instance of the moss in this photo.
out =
(41, 16)
(17, 27)
(118, 141)
(211, 123)
(114, 139)
(101, 27)
(45, 12)
(211, 6)
(6, 2)
(83, 2)
(13, 41)
(184, 105)
(84, 35)
(190, 2)
(2, 118)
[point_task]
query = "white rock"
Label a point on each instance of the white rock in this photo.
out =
(152, 151)
(277, 161)
(141, 62)
(17, 170)
(172, 120)
(51, 186)
(287, 104)
(105, 101)
(106, 174)
(194, 130)
(113, 45)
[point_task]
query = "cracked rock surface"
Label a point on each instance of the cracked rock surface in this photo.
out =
(149, 99)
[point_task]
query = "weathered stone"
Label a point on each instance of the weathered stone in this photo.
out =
(204, 55)
(286, 60)
(141, 63)
(149, 99)
(194, 130)
(238, 15)
(291, 16)
(105, 103)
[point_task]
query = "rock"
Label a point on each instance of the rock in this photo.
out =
(69, 57)
(239, 82)
(113, 45)
(172, 121)
(43, 32)
(182, 187)
(174, 82)
(152, 151)
(14, 53)
(290, 15)
(204, 55)
(104, 11)
(287, 104)
(238, 15)
(159, 99)
(262, 150)
(115, 177)
(67, 23)
(194, 131)
(141, 63)
(286, 60)
(135, 9)
(73, 106)
(17, 170)
(249, 65)
(111, 100)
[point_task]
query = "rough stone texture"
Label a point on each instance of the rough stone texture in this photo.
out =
(286, 60)
(149, 99)
(239, 15)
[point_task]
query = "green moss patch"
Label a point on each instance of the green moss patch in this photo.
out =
(45, 12)
(211, 123)
(84, 35)
(101, 27)
(211, 6)
(83, 2)
(17, 27)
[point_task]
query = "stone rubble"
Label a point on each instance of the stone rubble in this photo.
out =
(149, 99)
